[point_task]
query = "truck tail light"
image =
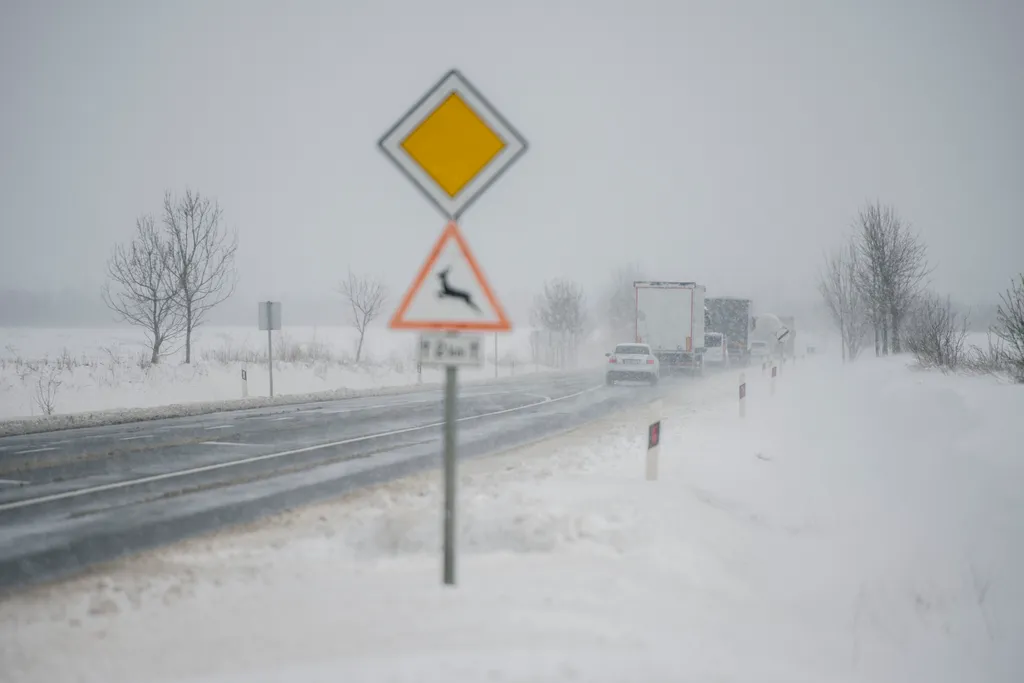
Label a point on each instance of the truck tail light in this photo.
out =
(650, 361)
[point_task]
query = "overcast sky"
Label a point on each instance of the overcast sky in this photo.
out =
(724, 142)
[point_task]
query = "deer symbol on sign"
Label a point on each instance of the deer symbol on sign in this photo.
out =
(449, 292)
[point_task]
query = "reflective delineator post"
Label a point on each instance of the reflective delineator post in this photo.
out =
(654, 442)
(245, 384)
(743, 394)
(775, 372)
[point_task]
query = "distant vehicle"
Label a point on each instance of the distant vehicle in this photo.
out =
(632, 362)
(789, 340)
(730, 316)
(716, 349)
(670, 319)
(759, 351)
(768, 328)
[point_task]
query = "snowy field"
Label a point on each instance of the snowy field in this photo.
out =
(863, 524)
(77, 370)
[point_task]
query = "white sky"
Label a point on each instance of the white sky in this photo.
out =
(724, 142)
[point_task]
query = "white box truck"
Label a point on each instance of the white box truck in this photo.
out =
(670, 318)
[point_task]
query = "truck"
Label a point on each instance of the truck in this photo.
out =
(775, 337)
(730, 316)
(670, 319)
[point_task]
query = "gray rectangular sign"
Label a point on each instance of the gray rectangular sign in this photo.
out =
(270, 315)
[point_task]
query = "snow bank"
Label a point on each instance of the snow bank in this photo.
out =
(862, 524)
(95, 377)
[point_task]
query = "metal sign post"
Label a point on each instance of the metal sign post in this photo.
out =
(453, 145)
(451, 473)
(270, 320)
(451, 350)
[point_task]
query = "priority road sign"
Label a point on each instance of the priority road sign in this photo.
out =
(453, 144)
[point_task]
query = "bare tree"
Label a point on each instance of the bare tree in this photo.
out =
(202, 258)
(561, 310)
(144, 288)
(1009, 326)
(620, 298)
(365, 296)
(893, 269)
(844, 300)
(936, 333)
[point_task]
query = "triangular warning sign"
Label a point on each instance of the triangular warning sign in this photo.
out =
(450, 292)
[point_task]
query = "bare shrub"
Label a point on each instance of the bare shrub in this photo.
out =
(1009, 326)
(936, 333)
(45, 390)
(306, 353)
(286, 350)
(229, 353)
(991, 360)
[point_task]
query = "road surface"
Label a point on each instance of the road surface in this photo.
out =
(74, 498)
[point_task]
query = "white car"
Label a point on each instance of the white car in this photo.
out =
(716, 351)
(759, 352)
(632, 362)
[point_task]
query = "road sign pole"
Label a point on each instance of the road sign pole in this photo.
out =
(450, 474)
(270, 361)
(270, 319)
(495, 355)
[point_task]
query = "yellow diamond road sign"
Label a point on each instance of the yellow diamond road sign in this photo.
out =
(453, 144)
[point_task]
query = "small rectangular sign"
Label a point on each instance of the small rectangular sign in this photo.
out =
(270, 315)
(451, 349)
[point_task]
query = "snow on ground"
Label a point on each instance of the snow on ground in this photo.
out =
(76, 370)
(863, 524)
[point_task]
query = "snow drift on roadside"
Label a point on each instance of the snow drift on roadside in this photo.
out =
(863, 524)
(92, 377)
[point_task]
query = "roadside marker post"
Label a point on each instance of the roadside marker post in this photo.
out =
(245, 384)
(452, 145)
(743, 394)
(654, 442)
(270, 320)
(775, 372)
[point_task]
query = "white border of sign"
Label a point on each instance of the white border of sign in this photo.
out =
(515, 145)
